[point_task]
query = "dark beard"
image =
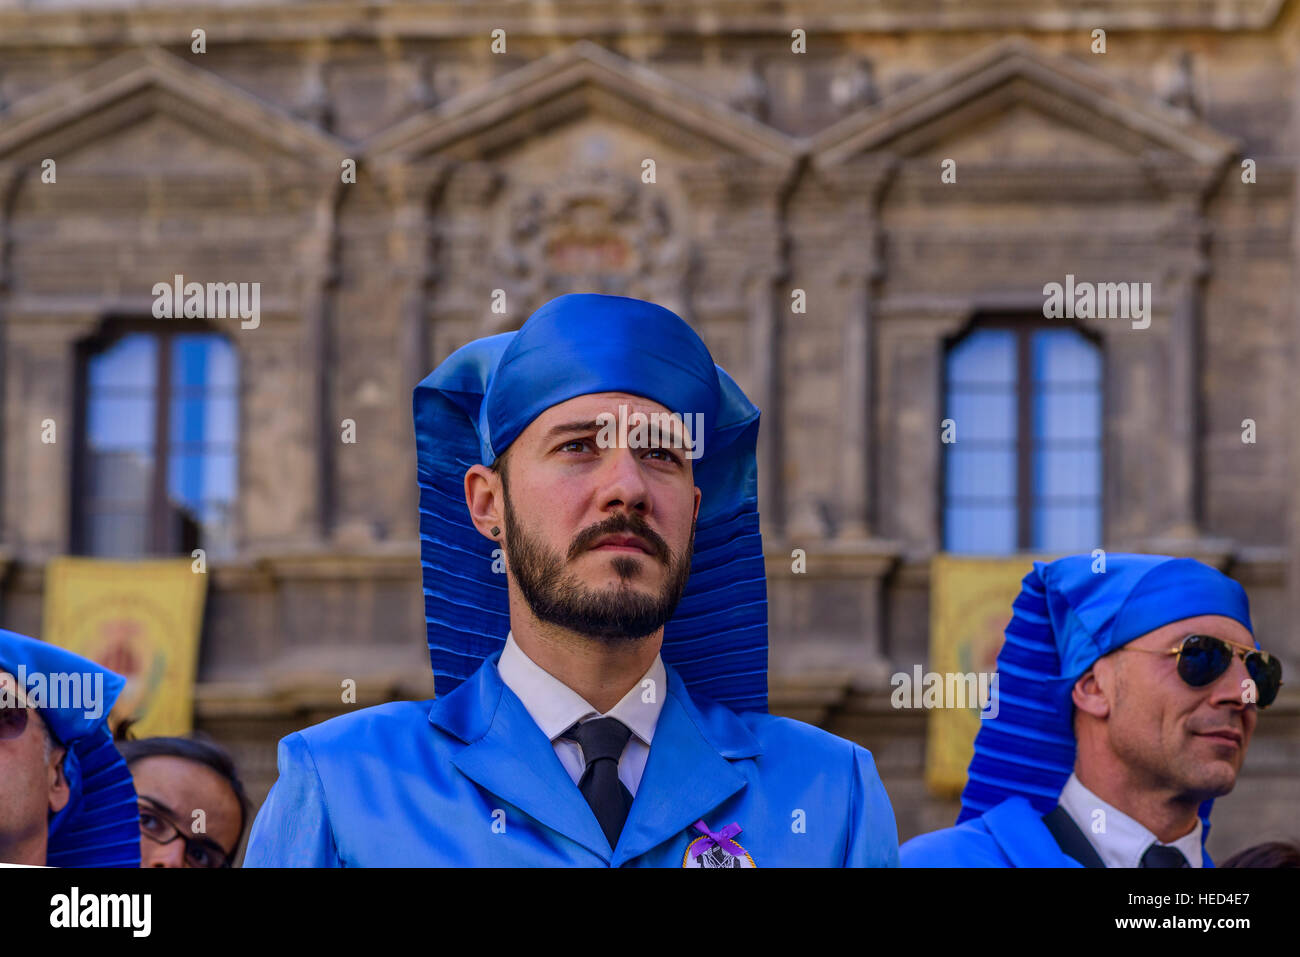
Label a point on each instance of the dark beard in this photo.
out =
(612, 614)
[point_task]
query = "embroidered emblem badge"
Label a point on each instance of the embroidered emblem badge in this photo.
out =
(716, 848)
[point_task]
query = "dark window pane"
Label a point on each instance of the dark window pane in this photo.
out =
(1067, 528)
(194, 479)
(1070, 473)
(1067, 415)
(123, 452)
(1067, 385)
(202, 467)
(985, 474)
(203, 360)
(1063, 399)
(983, 415)
(986, 356)
(130, 362)
(120, 476)
(980, 468)
(1067, 430)
(202, 422)
(123, 534)
(1065, 356)
(120, 423)
(117, 423)
(985, 530)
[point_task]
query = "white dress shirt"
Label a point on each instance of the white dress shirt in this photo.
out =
(555, 707)
(1124, 840)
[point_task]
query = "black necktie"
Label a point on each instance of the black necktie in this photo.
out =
(1159, 856)
(602, 741)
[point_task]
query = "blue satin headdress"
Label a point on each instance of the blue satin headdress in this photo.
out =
(469, 410)
(100, 825)
(1065, 618)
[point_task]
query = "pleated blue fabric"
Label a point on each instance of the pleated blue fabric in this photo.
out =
(100, 825)
(485, 394)
(1067, 615)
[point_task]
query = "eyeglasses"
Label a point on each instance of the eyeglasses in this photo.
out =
(199, 852)
(1203, 658)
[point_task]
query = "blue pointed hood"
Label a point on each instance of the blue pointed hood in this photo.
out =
(469, 410)
(1069, 613)
(100, 825)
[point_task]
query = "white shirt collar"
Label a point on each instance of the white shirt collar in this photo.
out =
(556, 707)
(1119, 840)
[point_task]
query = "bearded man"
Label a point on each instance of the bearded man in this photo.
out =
(597, 623)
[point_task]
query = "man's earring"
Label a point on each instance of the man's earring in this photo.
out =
(496, 530)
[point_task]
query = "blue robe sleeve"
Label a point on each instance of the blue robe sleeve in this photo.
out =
(967, 846)
(1010, 835)
(873, 832)
(293, 827)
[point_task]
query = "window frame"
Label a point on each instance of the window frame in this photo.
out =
(113, 330)
(1024, 325)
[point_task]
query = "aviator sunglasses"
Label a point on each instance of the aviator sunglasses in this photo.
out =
(13, 712)
(1203, 658)
(13, 721)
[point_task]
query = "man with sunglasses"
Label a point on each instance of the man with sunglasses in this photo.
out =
(1130, 687)
(66, 798)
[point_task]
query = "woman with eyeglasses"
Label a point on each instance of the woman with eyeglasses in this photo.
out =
(193, 808)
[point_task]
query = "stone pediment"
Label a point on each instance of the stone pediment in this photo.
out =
(572, 84)
(150, 109)
(1022, 132)
(160, 144)
(1011, 103)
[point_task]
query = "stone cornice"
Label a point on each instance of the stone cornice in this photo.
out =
(1011, 72)
(121, 91)
(278, 186)
(1111, 182)
(37, 316)
(581, 78)
(870, 558)
(933, 317)
(1257, 564)
(396, 560)
(262, 567)
(123, 22)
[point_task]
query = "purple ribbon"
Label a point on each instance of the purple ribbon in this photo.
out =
(720, 838)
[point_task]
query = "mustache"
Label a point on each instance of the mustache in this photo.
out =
(621, 524)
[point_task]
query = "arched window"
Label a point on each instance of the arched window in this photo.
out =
(157, 461)
(1025, 471)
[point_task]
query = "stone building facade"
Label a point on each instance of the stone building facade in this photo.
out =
(488, 175)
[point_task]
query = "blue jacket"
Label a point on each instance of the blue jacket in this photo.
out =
(1012, 834)
(471, 780)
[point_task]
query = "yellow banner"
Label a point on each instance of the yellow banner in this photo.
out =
(140, 619)
(970, 606)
